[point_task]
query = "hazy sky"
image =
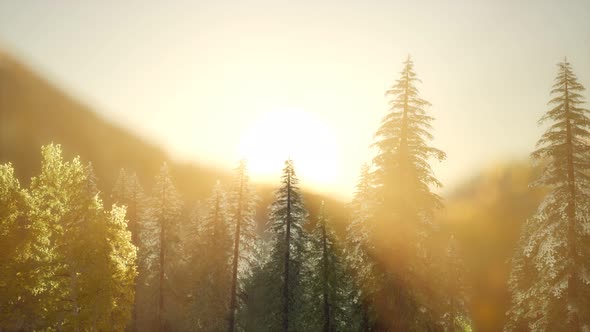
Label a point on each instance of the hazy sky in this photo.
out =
(196, 76)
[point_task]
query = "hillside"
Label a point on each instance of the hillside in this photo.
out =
(34, 112)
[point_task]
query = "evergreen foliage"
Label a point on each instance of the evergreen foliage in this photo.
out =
(402, 182)
(285, 270)
(360, 249)
(549, 280)
(213, 277)
(161, 242)
(129, 192)
(330, 287)
(454, 290)
(242, 204)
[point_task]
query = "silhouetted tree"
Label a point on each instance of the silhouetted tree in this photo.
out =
(549, 280)
(286, 220)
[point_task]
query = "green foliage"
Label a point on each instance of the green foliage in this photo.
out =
(21, 251)
(128, 192)
(329, 289)
(121, 268)
(68, 244)
(285, 269)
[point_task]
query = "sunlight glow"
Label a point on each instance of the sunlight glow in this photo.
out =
(296, 134)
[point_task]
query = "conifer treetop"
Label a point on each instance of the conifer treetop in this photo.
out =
(402, 141)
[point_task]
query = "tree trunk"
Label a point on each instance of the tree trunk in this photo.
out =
(287, 258)
(327, 319)
(571, 215)
(365, 316)
(232, 306)
(452, 315)
(133, 227)
(161, 311)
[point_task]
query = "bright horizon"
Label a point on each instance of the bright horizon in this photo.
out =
(184, 77)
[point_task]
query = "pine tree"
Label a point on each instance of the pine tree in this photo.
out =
(214, 271)
(161, 241)
(549, 280)
(128, 192)
(243, 207)
(258, 296)
(404, 205)
(360, 248)
(287, 257)
(330, 286)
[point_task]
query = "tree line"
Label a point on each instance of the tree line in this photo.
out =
(154, 262)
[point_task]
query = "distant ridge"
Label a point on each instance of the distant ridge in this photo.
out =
(33, 112)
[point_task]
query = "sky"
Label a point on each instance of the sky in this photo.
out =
(201, 78)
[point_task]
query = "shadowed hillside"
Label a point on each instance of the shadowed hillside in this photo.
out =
(33, 112)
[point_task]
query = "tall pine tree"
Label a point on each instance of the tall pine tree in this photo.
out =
(550, 280)
(242, 201)
(161, 242)
(330, 286)
(288, 253)
(128, 192)
(213, 277)
(360, 248)
(405, 205)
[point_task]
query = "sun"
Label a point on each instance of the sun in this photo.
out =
(296, 134)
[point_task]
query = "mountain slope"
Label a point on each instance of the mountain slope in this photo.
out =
(33, 112)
